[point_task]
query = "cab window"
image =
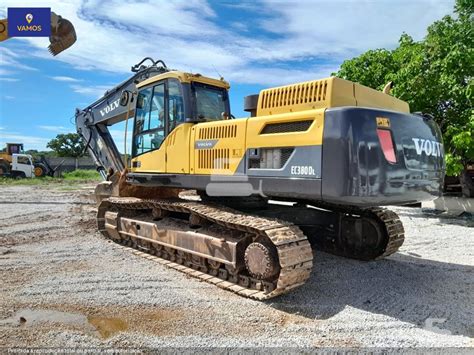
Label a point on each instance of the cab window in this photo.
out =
(159, 110)
(148, 141)
(175, 104)
(210, 102)
(157, 113)
(143, 110)
(23, 160)
(149, 130)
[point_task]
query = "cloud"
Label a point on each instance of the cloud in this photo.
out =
(30, 142)
(12, 59)
(189, 35)
(94, 91)
(9, 79)
(343, 28)
(57, 129)
(246, 6)
(280, 76)
(5, 72)
(8, 97)
(239, 26)
(174, 18)
(66, 79)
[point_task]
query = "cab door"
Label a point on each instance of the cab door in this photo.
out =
(150, 127)
(178, 139)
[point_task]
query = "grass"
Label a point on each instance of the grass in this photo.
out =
(82, 175)
(70, 178)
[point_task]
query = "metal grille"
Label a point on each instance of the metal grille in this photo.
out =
(213, 159)
(271, 158)
(296, 126)
(227, 131)
(309, 92)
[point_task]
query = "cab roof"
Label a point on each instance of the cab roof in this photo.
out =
(185, 78)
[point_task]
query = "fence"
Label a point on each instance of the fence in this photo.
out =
(69, 164)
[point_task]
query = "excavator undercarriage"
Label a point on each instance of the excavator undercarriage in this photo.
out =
(258, 253)
(254, 256)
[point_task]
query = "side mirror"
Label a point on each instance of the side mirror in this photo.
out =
(124, 98)
(225, 115)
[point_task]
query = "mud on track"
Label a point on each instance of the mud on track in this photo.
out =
(64, 285)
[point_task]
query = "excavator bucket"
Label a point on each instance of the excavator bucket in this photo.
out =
(63, 34)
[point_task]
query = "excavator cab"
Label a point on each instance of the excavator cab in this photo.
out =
(169, 100)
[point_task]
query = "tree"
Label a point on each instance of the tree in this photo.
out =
(67, 145)
(434, 76)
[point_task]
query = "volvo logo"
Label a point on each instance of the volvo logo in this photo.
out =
(109, 108)
(428, 147)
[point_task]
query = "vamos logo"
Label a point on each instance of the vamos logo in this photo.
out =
(430, 148)
(29, 21)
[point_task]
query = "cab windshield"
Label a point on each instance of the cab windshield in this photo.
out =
(211, 102)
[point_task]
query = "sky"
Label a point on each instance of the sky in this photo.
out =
(252, 44)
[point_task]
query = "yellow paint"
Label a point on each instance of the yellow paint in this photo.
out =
(224, 157)
(6, 156)
(383, 122)
(178, 149)
(218, 147)
(367, 97)
(313, 136)
(184, 78)
(324, 93)
(153, 161)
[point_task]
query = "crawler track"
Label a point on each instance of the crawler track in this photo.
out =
(363, 234)
(293, 250)
(393, 228)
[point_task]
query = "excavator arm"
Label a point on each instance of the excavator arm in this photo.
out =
(63, 34)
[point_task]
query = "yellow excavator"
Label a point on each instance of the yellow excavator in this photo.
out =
(242, 203)
(63, 34)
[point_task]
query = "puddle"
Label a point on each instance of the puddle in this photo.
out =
(30, 317)
(107, 326)
(104, 326)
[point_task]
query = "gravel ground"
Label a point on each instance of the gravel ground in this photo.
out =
(63, 285)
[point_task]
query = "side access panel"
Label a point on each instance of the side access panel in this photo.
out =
(284, 153)
(217, 147)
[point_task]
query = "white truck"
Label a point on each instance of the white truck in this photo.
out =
(21, 166)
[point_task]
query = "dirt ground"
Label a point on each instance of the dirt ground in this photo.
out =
(64, 286)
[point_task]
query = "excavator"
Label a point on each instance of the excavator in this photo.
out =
(242, 202)
(63, 34)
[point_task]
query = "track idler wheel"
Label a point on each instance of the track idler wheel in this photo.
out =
(261, 260)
